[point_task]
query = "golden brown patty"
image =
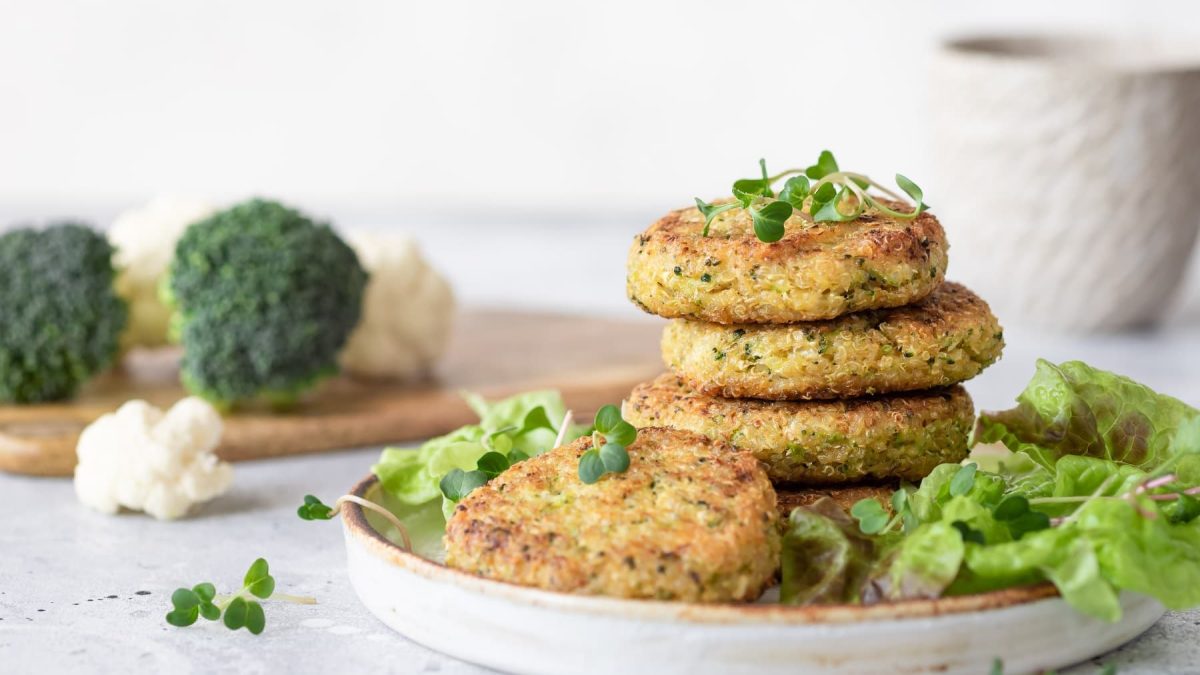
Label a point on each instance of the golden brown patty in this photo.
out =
(690, 520)
(946, 338)
(845, 497)
(820, 442)
(817, 271)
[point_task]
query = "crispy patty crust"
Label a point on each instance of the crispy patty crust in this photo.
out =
(845, 497)
(817, 271)
(946, 338)
(691, 519)
(820, 442)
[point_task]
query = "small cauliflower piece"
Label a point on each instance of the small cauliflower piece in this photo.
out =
(143, 459)
(145, 239)
(407, 310)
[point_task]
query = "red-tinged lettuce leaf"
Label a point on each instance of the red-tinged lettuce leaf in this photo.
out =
(1074, 409)
(826, 558)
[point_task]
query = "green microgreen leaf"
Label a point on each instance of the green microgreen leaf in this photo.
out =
(825, 165)
(795, 191)
(747, 189)
(1011, 508)
(963, 480)
(210, 611)
(458, 483)
(769, 220)
(622, 434)
(870, 514)
(235, 613)
(615, 457)
(1031, 521)
(1014, 512)
(610, 438)
(823, 195)
(314, 509)
(240, 610)
(839, 197)
(258, 579)
(1184, 509)
(493, 464)
(205, 591)
(255, 619)
(183, 617)
(607, 418)
(185, 598)
(517, 456)
(591, 467)
(968, 533)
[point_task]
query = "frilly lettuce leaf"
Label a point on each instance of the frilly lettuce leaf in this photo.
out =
(1074, 409)
(411, 476)
(1070, 504)
(924, 564)
(934, 493)
(826, 559)
(1147, 555)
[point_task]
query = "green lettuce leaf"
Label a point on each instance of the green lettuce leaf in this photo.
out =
(521, 423)
(1147, 555)
(1066, 504)
(922, 565)
(934, 492)
(1074, 409)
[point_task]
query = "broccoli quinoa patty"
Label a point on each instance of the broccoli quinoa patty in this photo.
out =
(690, 520)
(820, 442)
(944, 339)
(844, 496)
(816, 271)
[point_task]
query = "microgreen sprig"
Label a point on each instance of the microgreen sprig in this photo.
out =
(501, 456)
(610, 442)
(457, 483)
(820, 193)
(241, 609)
(314, 509)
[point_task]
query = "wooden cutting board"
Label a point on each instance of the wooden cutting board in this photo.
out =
(592, 361)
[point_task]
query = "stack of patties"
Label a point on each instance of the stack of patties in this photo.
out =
(833, 355)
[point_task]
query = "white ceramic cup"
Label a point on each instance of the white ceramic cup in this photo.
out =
(1068, 175)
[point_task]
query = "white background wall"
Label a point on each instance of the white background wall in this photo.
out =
(419, 115)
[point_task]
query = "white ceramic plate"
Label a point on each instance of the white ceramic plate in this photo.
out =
(527, 630)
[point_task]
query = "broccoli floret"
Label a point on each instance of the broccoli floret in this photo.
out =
(60, 320)
(264, 300)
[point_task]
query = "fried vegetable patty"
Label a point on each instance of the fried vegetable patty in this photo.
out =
(944, 339)
(845, 497)
(691, 519)
(817, 271)
(820, 442)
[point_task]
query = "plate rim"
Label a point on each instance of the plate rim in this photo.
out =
(355, 522)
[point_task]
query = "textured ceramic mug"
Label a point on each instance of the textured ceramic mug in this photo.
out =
(1068, 175)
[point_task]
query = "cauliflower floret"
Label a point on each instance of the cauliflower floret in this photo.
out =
(407, 310)
(144, 460)
(145, 240)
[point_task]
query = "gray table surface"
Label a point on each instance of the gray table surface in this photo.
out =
(85, 592)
